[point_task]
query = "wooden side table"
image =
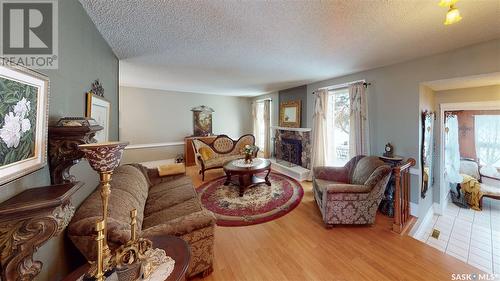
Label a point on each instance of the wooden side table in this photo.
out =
(174, 246)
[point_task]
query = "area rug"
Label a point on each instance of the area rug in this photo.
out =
(258, 204)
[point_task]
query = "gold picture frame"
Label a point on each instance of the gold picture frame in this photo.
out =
(99, 109)
(290, 114)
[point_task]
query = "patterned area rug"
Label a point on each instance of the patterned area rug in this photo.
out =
(258, 204)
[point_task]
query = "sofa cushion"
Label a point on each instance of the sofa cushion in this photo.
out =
(364, 168)
(129, 190)
(167, 194)
(167, 214)
(183, 225)
(223, 144)
(219, 161)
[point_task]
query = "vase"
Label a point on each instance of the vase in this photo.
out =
(248, 158)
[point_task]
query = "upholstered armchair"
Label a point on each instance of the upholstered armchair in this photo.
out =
(351, 194)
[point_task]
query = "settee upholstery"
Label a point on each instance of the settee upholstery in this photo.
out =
(165, 206)
(351, 194)
(220, 151)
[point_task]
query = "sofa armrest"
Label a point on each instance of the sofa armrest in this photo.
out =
(338, 174)
(182, 225)
(155, 178)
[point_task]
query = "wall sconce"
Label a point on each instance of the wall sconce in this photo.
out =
(453, 14)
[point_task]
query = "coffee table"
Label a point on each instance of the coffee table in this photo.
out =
(244, 177)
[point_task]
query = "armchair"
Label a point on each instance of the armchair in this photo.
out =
(351, 194)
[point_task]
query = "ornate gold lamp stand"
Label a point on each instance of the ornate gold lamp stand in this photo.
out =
(103, 158)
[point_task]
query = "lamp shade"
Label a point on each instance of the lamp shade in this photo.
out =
(103, 157)
(453, 16)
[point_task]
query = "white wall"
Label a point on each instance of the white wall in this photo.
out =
(154, 116)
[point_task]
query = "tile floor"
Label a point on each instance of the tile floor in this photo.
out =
(471, 236)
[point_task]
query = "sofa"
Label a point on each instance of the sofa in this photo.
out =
(351, 194)
(165, 206)
(222, 149)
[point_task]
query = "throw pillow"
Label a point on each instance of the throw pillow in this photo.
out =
(171, 169)
(206, 153)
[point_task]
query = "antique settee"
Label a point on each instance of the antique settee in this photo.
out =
(351, 194)
(222, 149)
(165, 206)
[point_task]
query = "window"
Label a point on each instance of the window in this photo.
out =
(337, 124)
(260, 128)
(487, 139)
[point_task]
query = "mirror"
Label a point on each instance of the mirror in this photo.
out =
(427, 151)
(290, 114)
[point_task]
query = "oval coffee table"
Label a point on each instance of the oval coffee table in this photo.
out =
(244, 177)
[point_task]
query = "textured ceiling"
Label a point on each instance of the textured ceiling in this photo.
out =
(253, 47)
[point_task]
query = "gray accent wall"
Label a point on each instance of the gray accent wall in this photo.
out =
(393, 97)
(292, 94)
(83, 57)
(157, 116)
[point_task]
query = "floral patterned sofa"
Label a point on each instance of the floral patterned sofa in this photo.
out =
(221, 150)
(165, 206)
(351, 194)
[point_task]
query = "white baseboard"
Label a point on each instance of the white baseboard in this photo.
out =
(422, 223)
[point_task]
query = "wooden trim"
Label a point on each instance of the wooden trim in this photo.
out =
(402, 218)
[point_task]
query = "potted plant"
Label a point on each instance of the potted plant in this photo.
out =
(249, 151)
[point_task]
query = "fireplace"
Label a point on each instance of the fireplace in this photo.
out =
(291, 151)
(292, 146)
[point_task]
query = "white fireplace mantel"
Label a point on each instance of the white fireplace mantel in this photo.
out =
(292, 129)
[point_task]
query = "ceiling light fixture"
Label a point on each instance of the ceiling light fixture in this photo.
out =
(453, 14)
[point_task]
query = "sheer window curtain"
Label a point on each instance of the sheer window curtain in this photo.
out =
(319, 134)
(261, 113)
(359, 131)
(452, 151)
(487, 138)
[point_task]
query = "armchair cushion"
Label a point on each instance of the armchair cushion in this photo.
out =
(348, 188)
(365, 168)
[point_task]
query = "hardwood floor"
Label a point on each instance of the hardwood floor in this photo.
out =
(298, 247)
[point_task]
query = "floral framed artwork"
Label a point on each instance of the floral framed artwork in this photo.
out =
(99, 109)
(290, 114)
(24, 96)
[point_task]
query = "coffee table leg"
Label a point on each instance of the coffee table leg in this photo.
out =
(242, 185)
(228, 178)
(267, 178)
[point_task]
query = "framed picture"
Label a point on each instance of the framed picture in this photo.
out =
(99, 109)
(24, 96)
(290, 114)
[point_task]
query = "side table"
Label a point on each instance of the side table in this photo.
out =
(175, 247)
(386, 206)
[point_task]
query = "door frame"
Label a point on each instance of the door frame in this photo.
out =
(482, 105)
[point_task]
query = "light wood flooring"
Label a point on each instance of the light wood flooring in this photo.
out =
(298, 247)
